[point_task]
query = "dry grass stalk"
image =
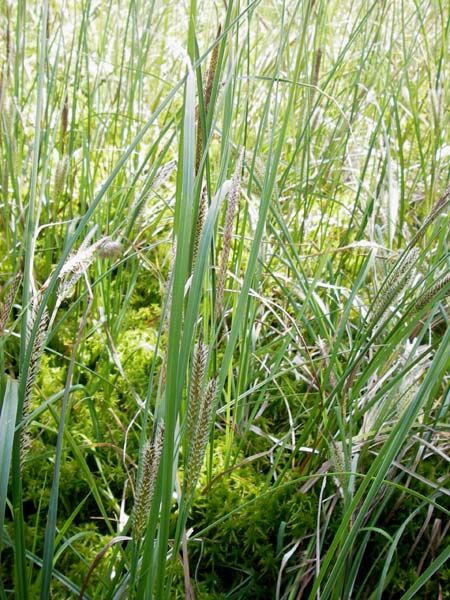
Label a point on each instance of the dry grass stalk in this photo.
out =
(151, 457)
(227, 234)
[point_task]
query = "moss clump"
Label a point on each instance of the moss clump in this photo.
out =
(241, 556)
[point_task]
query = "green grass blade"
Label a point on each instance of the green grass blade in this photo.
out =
(438, 562)
(344, 539)
(7, 430)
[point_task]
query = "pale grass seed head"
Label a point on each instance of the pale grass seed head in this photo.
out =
(78, 263)
(412, 379)
(145, 489)
(428, 297)
(36, 354)
(168, 294)
(138, 208)
(7, 305)
(201, 436)
(60, 178)
(195, 390)
(396, 284)
(325, 352)
(206, 100)
(227, 233)
(338, 459)
(109, 248)
(211, 72)
(440, 205)
(201, 218)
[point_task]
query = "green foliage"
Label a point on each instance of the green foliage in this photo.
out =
(241, 556)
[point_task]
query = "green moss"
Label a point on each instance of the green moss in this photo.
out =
(241, 555)
(52, 375)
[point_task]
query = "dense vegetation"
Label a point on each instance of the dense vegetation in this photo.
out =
(224, 281)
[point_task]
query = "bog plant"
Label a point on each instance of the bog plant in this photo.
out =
(224, 322)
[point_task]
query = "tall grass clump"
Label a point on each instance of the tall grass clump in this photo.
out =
(224, 300)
